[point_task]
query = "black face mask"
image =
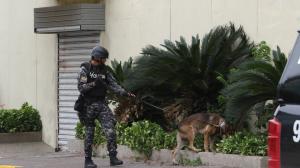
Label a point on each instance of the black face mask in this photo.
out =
(100, 66)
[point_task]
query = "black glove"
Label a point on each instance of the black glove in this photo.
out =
(130, 94)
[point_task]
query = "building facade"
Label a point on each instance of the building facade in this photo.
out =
(41, 68)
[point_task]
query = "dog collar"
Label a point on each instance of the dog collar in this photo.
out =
(222, 124)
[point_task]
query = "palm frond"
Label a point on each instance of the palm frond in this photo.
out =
(254, 82)
(178, 69)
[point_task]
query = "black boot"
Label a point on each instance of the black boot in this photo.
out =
(114, 161)
(89, 163)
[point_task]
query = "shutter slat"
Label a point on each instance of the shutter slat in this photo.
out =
(74, 48)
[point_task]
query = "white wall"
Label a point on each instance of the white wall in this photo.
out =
(28, 63)
(132, 24)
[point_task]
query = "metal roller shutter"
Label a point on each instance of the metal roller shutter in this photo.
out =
(74, 48)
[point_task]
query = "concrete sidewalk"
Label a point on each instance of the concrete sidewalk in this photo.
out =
(39, 155)
(24, 149)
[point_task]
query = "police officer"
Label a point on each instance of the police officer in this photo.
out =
(93, 81)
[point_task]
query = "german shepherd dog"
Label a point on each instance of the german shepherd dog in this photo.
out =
(208, 124)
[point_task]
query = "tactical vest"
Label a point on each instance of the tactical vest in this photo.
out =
(99, 91)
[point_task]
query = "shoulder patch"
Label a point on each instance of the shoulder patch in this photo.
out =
(83, 79)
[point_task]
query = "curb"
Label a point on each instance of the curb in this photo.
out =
(163, 156)
(20, 137)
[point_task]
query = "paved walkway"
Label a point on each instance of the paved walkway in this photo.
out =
(39, 155)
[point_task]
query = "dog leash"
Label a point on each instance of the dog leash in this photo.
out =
(156, 107)
(149, 104)
(213, 124)
(218, 126)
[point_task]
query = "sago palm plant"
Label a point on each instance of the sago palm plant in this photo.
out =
(252, 84)
(179, 70)
(121, 71)
(126, 109)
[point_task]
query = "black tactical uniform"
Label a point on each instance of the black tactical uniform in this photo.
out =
(93, 81)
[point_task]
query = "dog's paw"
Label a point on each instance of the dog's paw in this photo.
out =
(197, 151)
(175, 163)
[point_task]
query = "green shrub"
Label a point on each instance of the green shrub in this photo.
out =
(99, 137)
(244, 143)
(145, 136)
(198, 142)
(170, 140)
(99, 134)
(80, 133)
(142, 136)
(120, 129)
(26, 119)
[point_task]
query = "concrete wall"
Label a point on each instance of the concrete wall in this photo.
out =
(28, 63)
(132, 24)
